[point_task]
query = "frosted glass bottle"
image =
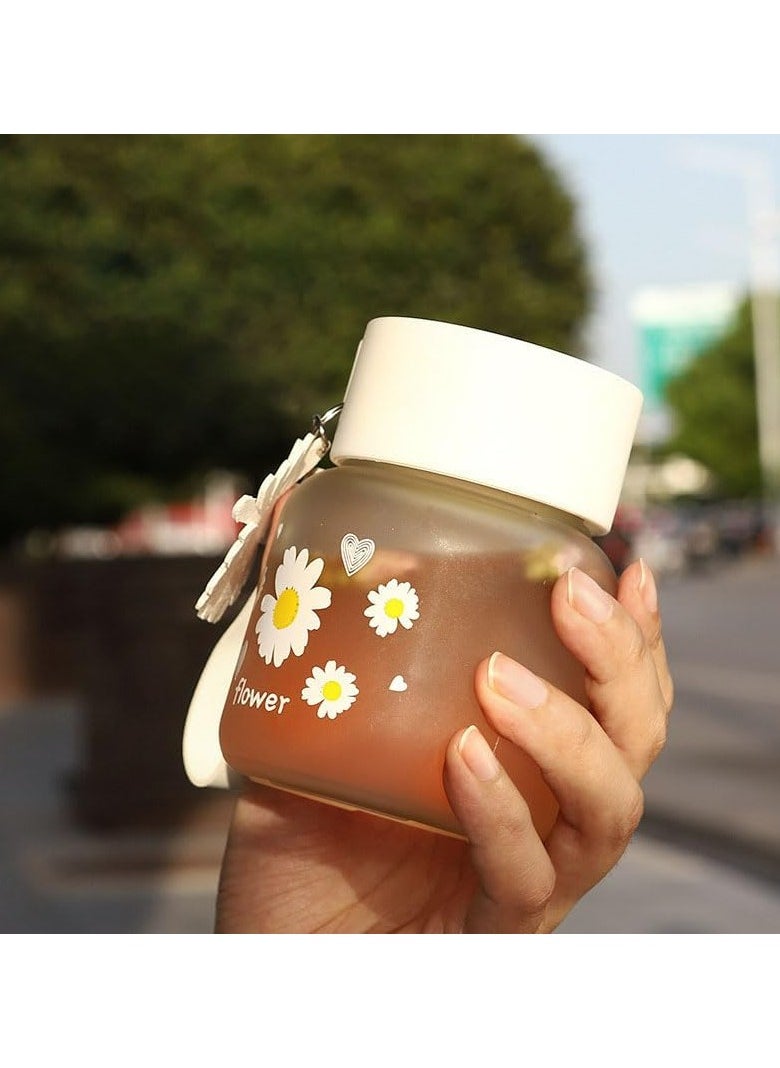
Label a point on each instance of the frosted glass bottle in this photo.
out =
(472, 470)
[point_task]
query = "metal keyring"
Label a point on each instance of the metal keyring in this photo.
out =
(318, 422)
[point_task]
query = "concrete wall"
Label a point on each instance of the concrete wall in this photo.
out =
(122, 639)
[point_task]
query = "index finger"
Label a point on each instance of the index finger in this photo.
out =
(623, 687)
(638, 593)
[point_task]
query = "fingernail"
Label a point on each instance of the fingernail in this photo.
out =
(588, 597)
(515, 682)
(478, 755)
(647, 587)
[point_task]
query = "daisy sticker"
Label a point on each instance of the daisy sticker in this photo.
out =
(287, 618)
(392, 603)
(332, 688)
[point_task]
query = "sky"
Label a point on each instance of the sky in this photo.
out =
(657, 211)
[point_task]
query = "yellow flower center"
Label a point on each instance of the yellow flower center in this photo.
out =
(331, 691)
(286, 608)
(394, 608)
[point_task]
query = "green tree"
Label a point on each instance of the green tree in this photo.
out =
(174, 304)
(714, 406)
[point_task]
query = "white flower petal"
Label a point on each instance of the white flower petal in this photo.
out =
(330, 708)
(294, 573)
(312, 572)
(320, 597)
(281, 648)
(230, 577)
(392, 590)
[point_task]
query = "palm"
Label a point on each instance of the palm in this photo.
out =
(297, 865)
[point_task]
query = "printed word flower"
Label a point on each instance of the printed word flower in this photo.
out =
(392, 603)
(332, 688)
(287, 618)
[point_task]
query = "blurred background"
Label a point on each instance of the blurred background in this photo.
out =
(174, 309)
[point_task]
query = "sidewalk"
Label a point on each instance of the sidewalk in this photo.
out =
(55, 878)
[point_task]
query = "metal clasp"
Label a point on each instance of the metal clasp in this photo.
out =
(318, 422)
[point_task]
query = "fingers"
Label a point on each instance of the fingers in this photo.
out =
(600, 799)
(621, 649)
(595, 789)
(638, 594)
(515, 872)
(591, 762)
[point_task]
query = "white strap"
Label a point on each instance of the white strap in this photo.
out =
(203, 760)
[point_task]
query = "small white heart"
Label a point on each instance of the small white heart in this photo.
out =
(356, 553)
(398, 684)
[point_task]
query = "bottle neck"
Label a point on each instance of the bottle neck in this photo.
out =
(487, 494)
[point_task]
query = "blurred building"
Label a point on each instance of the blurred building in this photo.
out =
(203, 525)
(200, 526)
(673, 324)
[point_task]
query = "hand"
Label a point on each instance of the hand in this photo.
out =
(294, 865)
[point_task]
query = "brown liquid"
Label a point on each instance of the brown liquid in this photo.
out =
(386, 752)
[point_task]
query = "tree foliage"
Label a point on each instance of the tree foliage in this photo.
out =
(714, 406)
(174, 304)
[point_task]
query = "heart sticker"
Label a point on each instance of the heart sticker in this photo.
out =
(398, 684)
(356, 553)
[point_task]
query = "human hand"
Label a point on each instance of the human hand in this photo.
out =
(294, 865)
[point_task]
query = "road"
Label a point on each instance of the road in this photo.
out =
(711, 830)
(719, 780)
(706, 859)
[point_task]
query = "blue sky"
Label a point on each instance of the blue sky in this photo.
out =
(651, 217)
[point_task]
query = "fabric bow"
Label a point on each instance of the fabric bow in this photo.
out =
(229, 579)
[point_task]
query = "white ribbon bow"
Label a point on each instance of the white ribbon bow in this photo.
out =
(229, 579)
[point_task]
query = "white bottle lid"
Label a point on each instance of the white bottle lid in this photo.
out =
(492, 410)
